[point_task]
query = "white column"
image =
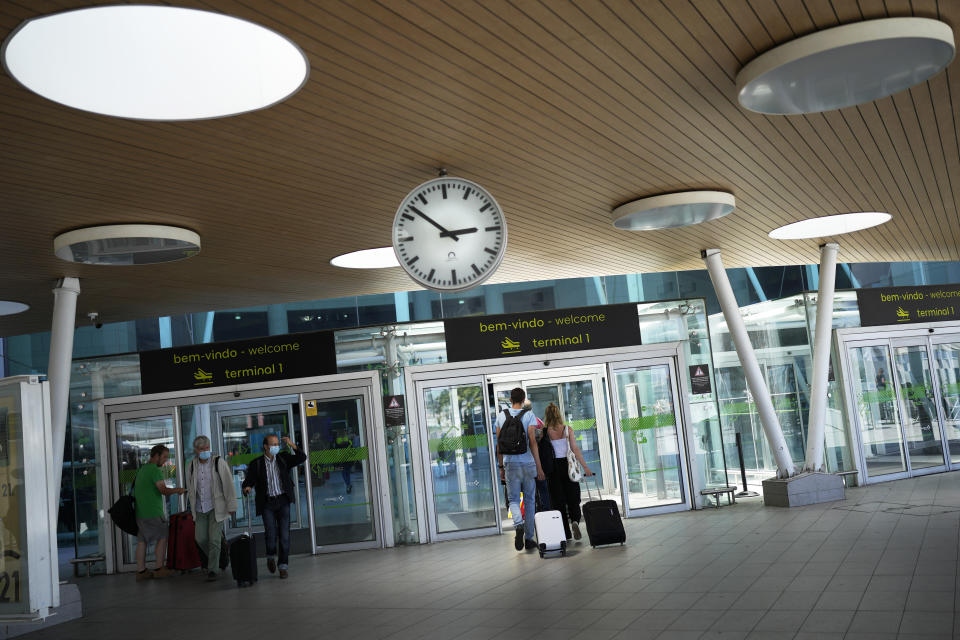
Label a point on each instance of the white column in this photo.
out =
(821, 358)
(751, 369)
(58, 372)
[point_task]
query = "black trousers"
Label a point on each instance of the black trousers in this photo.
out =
(564, 494)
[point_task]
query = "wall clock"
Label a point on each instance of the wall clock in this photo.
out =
(449, 234)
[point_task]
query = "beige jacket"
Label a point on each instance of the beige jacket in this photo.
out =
(224, 493)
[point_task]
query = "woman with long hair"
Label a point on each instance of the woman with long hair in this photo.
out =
(564, 493)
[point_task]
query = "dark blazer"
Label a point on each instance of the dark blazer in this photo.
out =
(256, 476)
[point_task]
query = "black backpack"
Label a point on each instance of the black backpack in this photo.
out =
(513, 435)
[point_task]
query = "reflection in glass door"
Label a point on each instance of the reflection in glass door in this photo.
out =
(135, 436)
(344, 493)
(242, 433)
(921, 425)
(652, 455)
(458, 459)
(947, 361)
(877, 416)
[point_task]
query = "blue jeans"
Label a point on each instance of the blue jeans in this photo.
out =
(276, 520)
(522, 477)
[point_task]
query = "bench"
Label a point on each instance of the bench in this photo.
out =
(716, 492)
(88, 561)
(844, 474)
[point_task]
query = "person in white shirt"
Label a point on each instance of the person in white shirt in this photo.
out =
(213, 499)
(564, 493)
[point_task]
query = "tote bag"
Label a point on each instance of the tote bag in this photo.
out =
(574, 470)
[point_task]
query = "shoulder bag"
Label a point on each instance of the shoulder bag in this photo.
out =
(574, 470)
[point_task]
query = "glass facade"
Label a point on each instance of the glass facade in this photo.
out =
(391, 331)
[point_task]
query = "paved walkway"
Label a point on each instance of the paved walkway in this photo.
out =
(882, 564)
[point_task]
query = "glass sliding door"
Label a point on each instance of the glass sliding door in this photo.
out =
(877, 415)
(651, 439)
(134, 436)
(342, 474)
(458, 458)
(921, 424)
(947, 364)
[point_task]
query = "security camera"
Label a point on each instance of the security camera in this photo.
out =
(95, 319)
(236, 394)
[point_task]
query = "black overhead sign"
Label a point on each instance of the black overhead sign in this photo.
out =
(908, 305)
(298, 355)
(524, 334)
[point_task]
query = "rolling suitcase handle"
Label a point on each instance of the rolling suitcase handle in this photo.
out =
(597, 482)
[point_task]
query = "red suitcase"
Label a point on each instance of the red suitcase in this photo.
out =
(182, 552)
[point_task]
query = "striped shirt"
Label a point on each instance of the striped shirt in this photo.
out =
(204, 482)
(274, 488)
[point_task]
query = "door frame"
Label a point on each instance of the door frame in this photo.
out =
(597, 375)
(926, 334)
(430, 375)
(157, 404)
(379, 473)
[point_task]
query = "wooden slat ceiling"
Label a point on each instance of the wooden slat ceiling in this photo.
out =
(561, 109)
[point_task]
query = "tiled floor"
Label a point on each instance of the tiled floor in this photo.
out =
(882, 564)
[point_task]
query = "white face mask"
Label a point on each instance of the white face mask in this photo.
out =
(204, 455)
(274, 450)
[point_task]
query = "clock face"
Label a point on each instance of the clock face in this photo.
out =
(449, 234)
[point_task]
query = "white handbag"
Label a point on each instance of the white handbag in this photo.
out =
(574, 470)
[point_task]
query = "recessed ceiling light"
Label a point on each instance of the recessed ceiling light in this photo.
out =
(154, 62)
(673, 210)
(126, 244)
(845, 66)
(9, 307)
(380, 258)
(827, 226)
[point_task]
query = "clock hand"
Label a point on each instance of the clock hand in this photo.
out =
(443, 231)
(458, 232)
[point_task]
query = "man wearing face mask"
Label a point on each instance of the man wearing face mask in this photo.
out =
(212, 500)
(270, 475)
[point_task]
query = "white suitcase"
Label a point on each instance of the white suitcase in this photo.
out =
(550, 535)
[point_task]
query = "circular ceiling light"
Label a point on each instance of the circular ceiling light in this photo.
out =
(673, 210)
(827, 226)
(9, 307)
(126, 244)
(154, 62)
(380, 258)
(845, 66)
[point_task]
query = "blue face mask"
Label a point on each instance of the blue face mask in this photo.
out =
(274, 450)
(204, 455)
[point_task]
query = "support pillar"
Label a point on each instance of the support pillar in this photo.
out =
(821, 358)
(751, 368)
(58, 372)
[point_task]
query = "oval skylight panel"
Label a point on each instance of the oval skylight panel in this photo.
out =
(845, 66)
(154, 62)
(126, 244)
(827, 226)
(671, 210)
(379, 258)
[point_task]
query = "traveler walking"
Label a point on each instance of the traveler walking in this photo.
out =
(149, 490)
(519, 463)
(213, 499)
(564, 493)
(270, 475)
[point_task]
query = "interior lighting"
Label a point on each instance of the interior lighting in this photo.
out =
(9, 307)
(828, 226)
(126, 244)
(153, 62)
(673, 210)
(379, 258)
(845, 66)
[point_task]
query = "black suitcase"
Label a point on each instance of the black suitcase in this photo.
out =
(602, 517)
(243, 555)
